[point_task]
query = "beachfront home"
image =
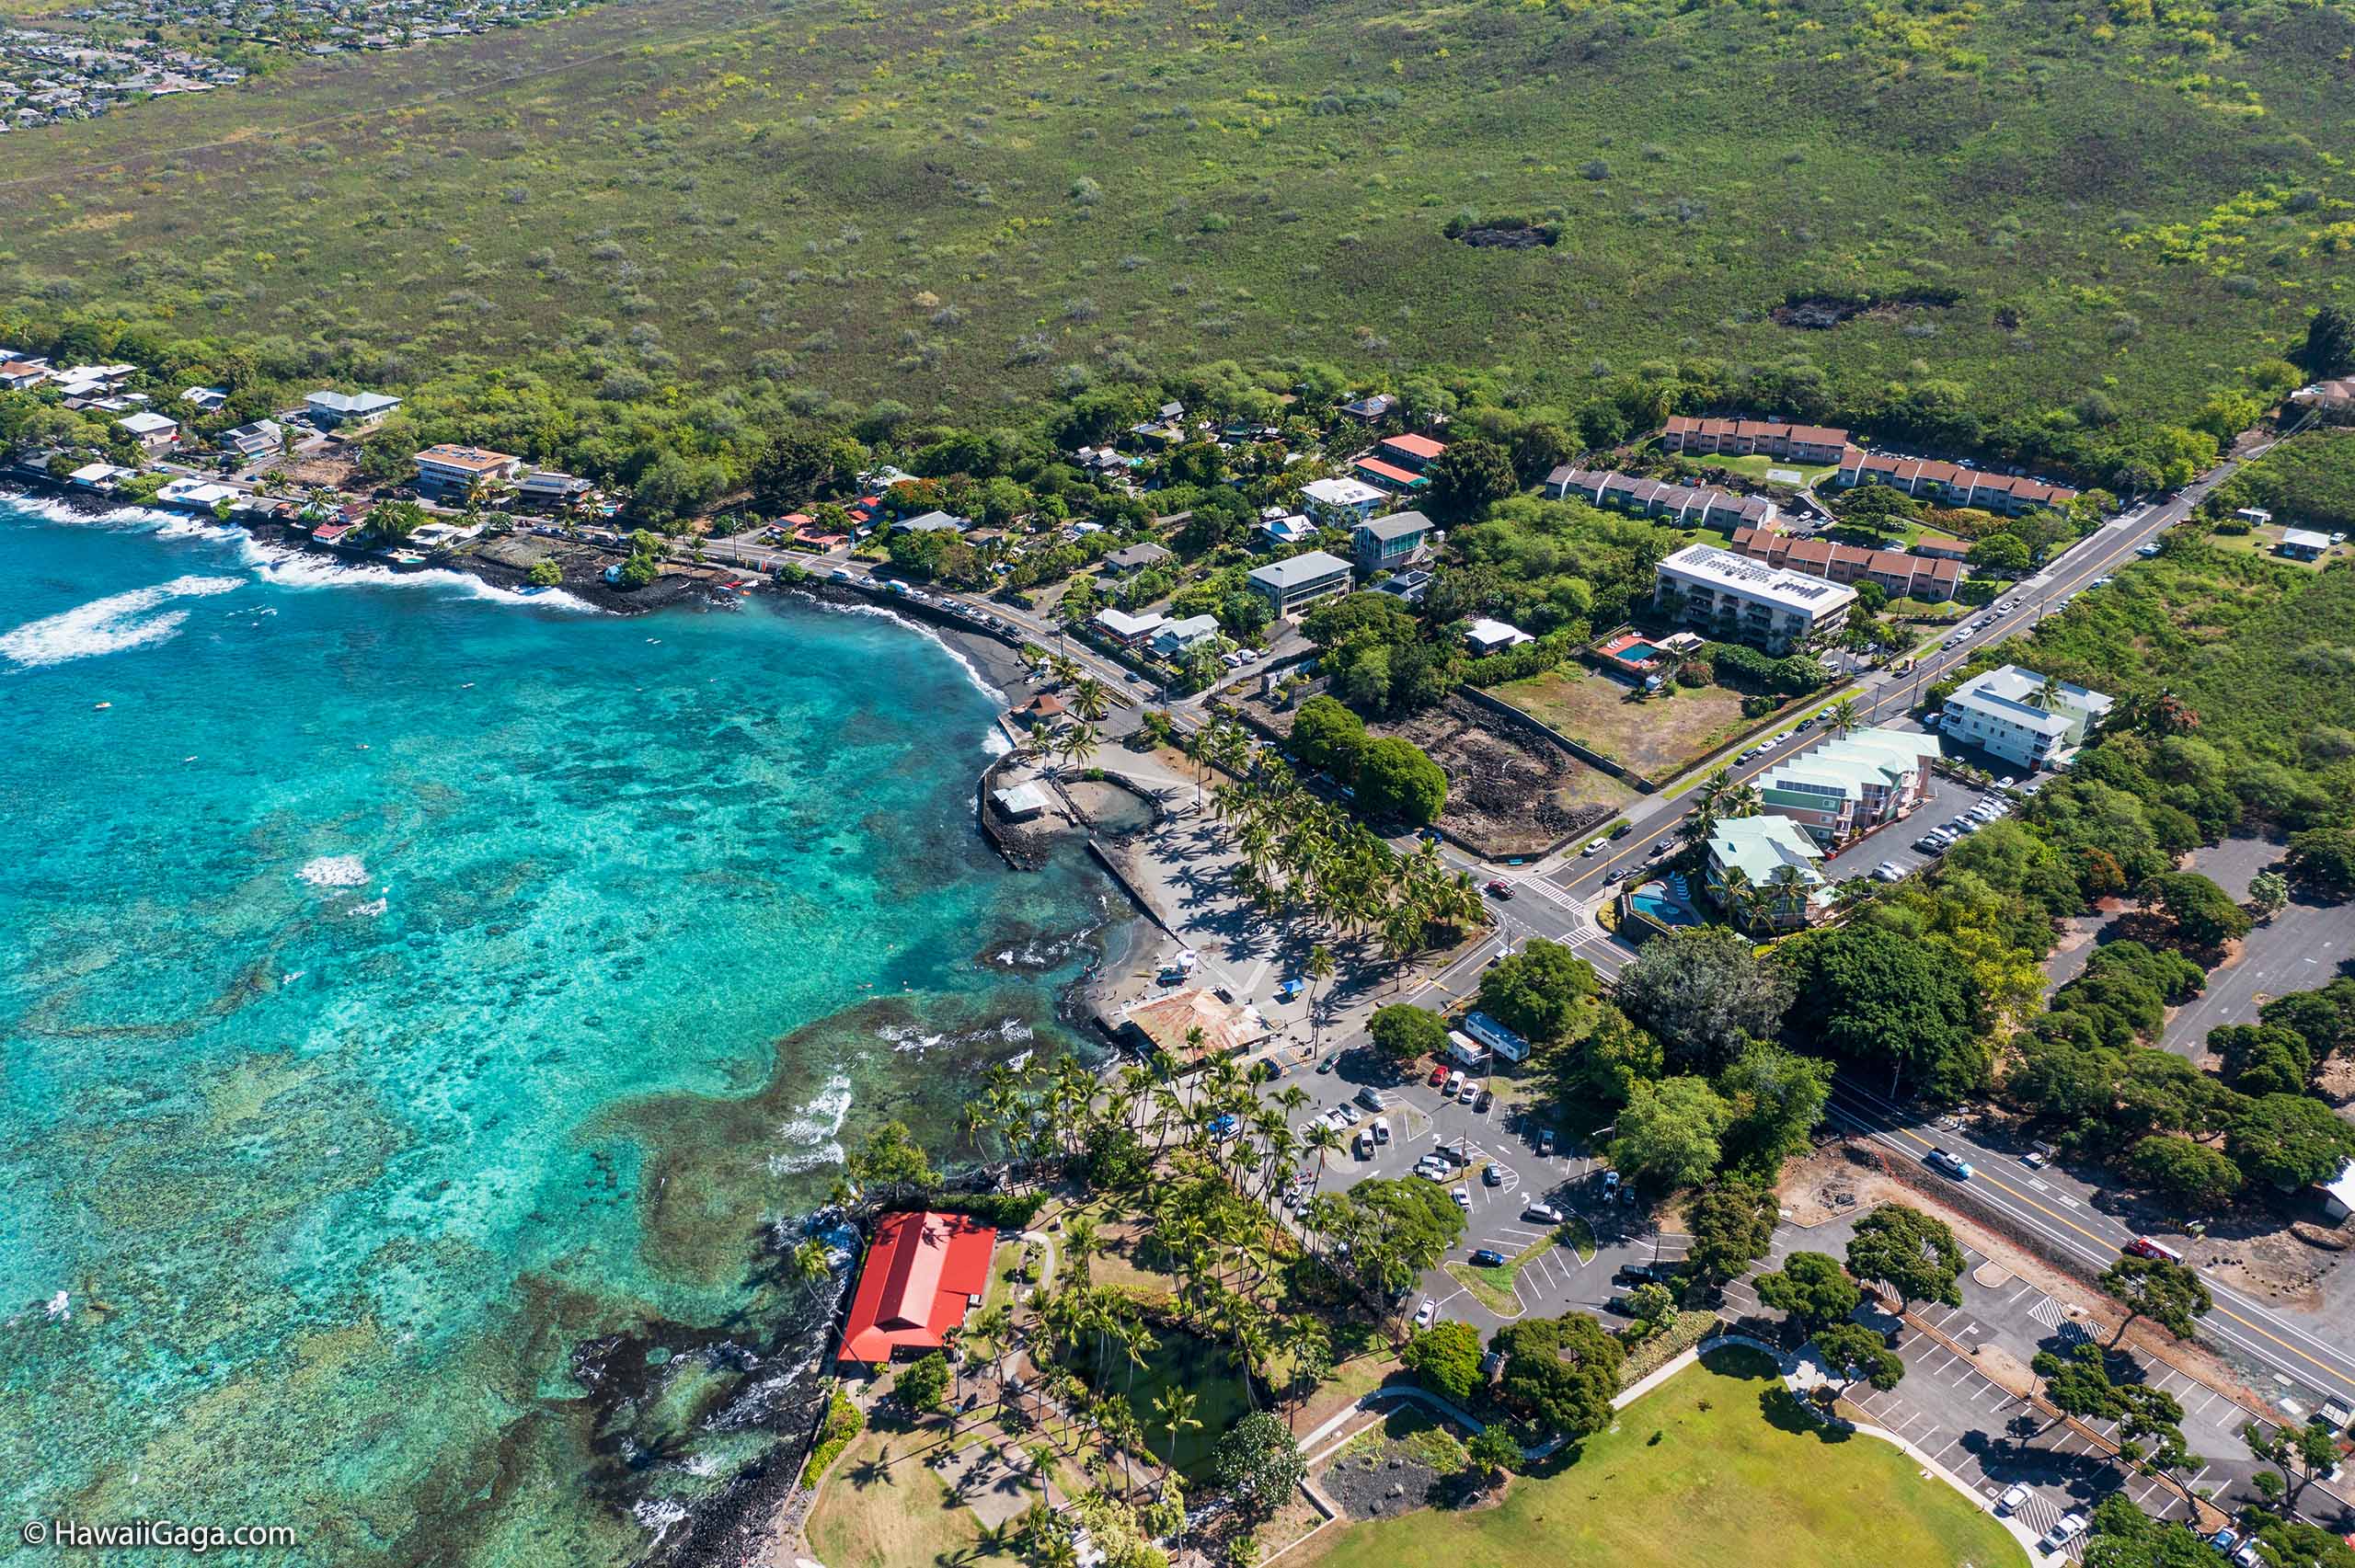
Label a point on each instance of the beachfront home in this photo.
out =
(263, 438)
(196, 495)
(453, 468)
(1849, 786)
(1340, 503)
(1387, 544)
(329, 410)
(1735, 599)
(922, 1274)
(549, 489)
(2303, 543)
(1293, 584)
(103, 477)
(1742, 438)
(1763, 872)
(152, 431)
(1129, 631)
(2022, 716)
(1486, 636)
(1176, 639)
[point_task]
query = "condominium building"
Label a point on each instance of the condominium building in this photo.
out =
(1734, 599)
(1950, 484)
(1293, 584)
(1742, 438)
(1687, 506)
(1387, 544)
(1903, 575)
(1848, 786)
(2022, 716)
(1763, 871)
(451, 467)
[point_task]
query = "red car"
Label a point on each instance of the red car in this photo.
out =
(1439, 1076)
(1500, 888)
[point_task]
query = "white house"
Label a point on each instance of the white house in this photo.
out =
(330, 409)
(1129, 631)
(1341, 503)
(1175, 640)
(1485, 636)
(2022, 716)
(1301, 581)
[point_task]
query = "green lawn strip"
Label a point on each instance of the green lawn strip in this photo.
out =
(1712, 1470)
(1494, 1286)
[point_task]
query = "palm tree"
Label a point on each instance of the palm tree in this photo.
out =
(1078, 743)
(1789, 886)
(1325, 1140)
(1064, 668)
(1175, 1409)
(1090, 701)
(1321, 967)
(1843, 716)
(1733, 891)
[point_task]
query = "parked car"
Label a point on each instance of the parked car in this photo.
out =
(1610, 1184)
(1372, 1099)
(1929, 843)
(1544, 1213)
(1939, 1159)
(1439, 1076)
(1546, 1141)
(1487, 1257)
(1381, 1129)
(1463, 1198)
(2224, 1540)
(1889, 871)
(2013, 1499)
(1327, 1065)
(2071, 1527)
(1492, 1175)
(1427, 1314)
(1594, 849)
(2147, 550)
(1470, 1092)
(1620, 1307)
(1488, 1098)
(1663, 847)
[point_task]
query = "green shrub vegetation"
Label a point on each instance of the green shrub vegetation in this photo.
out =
(842, 1422)
(2308, 481)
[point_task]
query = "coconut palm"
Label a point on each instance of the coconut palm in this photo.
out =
(1078, 743)
(1843, 716)
(1175, 1409)
(1789, 886)
(1090, 701)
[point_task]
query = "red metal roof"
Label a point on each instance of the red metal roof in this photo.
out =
(1389, 471)
(920, 1278)
(1416, 446)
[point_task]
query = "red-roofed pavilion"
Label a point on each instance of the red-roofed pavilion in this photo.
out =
(922, 1274)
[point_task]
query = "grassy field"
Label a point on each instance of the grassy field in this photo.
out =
(962, 208)
(1656, 738)
(1757, 467)
(883, 1504)
(1695, 1475)
(2307, 482)
(1202, 1368)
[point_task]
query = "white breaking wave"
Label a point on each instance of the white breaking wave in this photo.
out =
(810, 1135)
(286, 567)
(111, 625)
(659, 1515)
(335, 871)
(972, 672)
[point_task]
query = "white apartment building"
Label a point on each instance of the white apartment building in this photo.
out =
(1734, 599)
(2022, 716)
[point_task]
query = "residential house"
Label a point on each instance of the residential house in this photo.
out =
(1281, 530)
(1850, 785)
(924, 1273)
(1340, 503)
(263, 438)
(103, 477)
(1301, 581)
(2303, 543)
(2022, 716)
(196, 495)
(22, 375)
(329, 410)
(1763, 871)
(1735, 599)
(1371, 409)
(1687, 506)
(932, 523)
(152, 431)
(1176, 639)
(1387, 544)
(1415, 453)
(1486, 636)
(1135, 558)
(1129, 631)
(1389, 476)
(450, 467)
(1901, 575)
(1744, 437)
(205, 399)
(549, 489)
(1407, 586)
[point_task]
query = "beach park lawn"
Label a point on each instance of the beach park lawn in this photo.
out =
(1696, 1474)
(1656, 738)
(1201, 1366)
(883, 1504)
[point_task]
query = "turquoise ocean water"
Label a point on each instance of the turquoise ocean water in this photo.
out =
(421, 1011)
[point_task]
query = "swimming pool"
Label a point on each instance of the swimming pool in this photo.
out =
(1636, 653)
(1654, 899)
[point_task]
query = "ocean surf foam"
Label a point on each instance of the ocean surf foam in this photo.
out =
(112, 625)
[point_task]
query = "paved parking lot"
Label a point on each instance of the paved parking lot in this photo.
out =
(1948, 799)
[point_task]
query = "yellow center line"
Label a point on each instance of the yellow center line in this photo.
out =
(2337, 1378)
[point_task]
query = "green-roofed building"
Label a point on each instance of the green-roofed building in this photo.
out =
(1845, 788)
(1763, 872)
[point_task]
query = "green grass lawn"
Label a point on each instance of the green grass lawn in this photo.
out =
(1202, 1368)
(1695, 1475)
(1757, 466)
(1494, 1286)
(882, 1504)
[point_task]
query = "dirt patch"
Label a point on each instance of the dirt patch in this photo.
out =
(1509, 793)
(336, 468)
(2280, 1266)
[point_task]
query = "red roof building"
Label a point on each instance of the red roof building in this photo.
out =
(922, 1274)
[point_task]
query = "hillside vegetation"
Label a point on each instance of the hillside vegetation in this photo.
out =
(2031, 208)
